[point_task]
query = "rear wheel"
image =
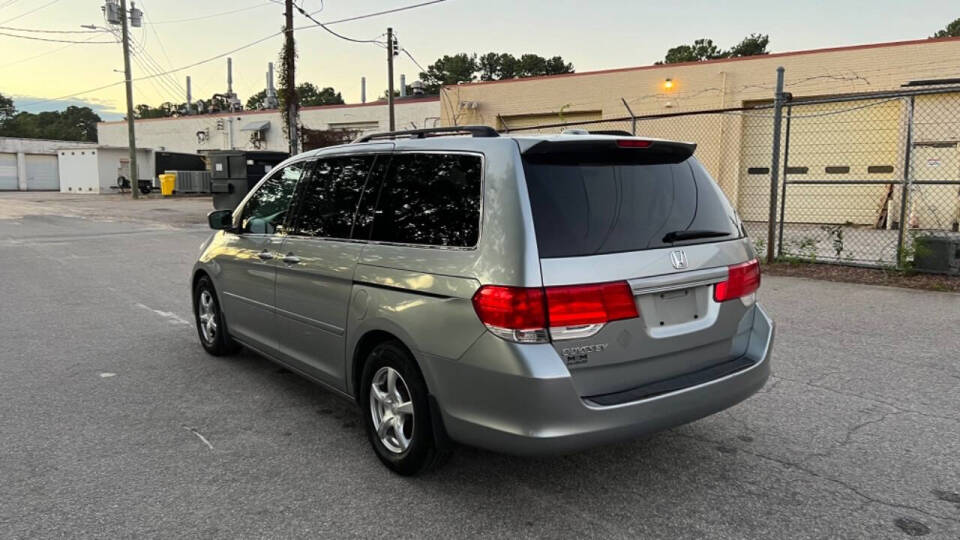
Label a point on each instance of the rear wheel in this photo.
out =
(396, 411)
(210, 326)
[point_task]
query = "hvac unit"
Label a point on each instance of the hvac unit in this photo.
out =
(937, 253)
(192, 181)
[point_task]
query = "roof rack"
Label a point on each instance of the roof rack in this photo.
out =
(476, 131)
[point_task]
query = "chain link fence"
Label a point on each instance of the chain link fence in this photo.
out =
(870, 179)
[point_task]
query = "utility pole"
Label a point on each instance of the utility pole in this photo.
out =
(131, 134)
(391, 52)
(291, 89)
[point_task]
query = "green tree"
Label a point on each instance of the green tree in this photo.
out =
(256, 101)
(166, 109)
(952, 30)
(704, 49)
(71, 124)
(310, 95)
(752, 45)
(491, 66)
(449, 70)
(7, 110)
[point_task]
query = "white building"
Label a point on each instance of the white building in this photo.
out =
(31, 164)
(95, 169)
(261, 130)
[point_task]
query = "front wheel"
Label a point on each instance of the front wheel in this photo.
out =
(396, 411)
(210, 327)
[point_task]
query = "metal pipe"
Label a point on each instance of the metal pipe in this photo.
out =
(775, 165)
(633, 118)
(783, 192)
(905, 191)
(390, 52)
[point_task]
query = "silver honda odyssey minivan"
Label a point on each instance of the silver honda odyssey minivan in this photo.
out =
(530, 295)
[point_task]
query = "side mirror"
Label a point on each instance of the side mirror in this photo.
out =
(220, 220)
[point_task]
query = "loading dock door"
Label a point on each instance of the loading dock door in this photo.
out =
(8, 172)
(42, 172)
(854, 140)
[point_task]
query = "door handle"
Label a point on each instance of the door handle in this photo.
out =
(265, 255)
(290, 258)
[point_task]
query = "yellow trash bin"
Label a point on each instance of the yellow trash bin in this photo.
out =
(167, 183)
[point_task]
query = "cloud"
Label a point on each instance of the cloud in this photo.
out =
(106, 108)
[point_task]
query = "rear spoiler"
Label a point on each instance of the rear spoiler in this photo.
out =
(625, 151)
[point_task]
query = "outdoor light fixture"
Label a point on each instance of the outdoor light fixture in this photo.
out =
(668, 84)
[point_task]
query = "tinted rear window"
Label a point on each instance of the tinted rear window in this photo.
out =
(592, 209)
(430, 199)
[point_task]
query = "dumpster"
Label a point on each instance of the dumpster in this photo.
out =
(167, 183)
(234, 173)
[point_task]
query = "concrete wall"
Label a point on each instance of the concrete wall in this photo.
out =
(181, 134)
(21, 148)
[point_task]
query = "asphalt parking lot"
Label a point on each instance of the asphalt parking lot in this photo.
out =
(114, 423)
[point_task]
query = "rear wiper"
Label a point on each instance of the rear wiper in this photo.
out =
(677, 236)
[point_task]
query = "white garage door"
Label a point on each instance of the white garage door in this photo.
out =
(42, 172)
(856, 140)
(8, 171)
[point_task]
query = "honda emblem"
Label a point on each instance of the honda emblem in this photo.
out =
(679, 259)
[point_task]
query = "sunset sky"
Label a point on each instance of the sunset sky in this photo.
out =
(593, 35)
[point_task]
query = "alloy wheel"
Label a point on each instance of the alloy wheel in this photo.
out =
(391, 408)
(207, 310)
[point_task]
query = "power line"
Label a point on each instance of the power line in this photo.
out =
(37, 30)
(378, 13)
(221, 55)
(56, 40)
(25, 13)
(45, 53)
(341, 36)
(410, 56)
(211, 15)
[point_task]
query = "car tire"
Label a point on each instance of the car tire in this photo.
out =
(209, 319)
(408, 446)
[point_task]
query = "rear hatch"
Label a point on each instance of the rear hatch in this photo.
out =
(644, 219)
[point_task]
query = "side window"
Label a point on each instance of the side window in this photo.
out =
(431, 199)
(330, 199)
(268, 206)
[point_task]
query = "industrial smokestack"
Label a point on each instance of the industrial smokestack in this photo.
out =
(403, 85)
(271, 101)
(363, 89)
(229, 75)
(189, 97)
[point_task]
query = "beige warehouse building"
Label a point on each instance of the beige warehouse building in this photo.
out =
(849, 140)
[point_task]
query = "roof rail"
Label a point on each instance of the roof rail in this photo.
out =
(476, 131)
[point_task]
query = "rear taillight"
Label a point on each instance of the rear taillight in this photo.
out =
(633, 143)
(524, 314)
(590, 304)
(743, 280)
(514, 313)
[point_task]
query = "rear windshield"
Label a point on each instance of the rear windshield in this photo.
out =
(591, 208)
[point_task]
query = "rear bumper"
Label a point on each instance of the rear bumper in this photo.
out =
(520, 399)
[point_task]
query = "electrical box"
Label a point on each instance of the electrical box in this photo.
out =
(136, 16)
(111, 11)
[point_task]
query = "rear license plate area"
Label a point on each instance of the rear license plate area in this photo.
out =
(674, 307)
